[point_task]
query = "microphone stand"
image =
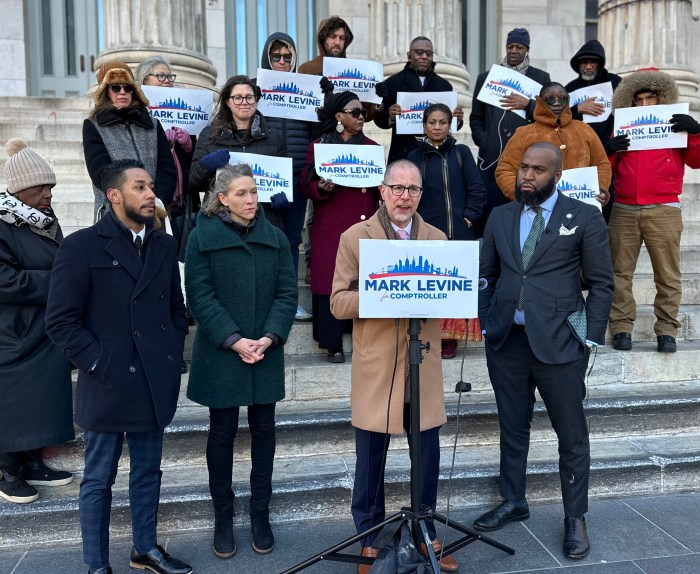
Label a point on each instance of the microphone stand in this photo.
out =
(418, 514)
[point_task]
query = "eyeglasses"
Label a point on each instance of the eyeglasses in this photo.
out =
(117, 88)
(398, 189)
(276, 57)
(553, 100)
(421, 53)
(161, 77)
(238, 100)
(650, 97)
(356, 112)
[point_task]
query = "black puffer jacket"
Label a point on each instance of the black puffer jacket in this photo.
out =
(452, 188)
(593, 49)
(264, 142)
(492, 127)
(295, 133)
(406, 80)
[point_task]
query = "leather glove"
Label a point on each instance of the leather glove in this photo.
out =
(214, 160)
(684, 123)
(616, 144)
(279, 202)
(326, 85)
(381, 89)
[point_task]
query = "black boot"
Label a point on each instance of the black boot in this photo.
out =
(224, 542)
(263, 539)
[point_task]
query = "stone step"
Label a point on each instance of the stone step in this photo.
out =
(319, 427)
(319, 487)
(31, 131)
(34, 105)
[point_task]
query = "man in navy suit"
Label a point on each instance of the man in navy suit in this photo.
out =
(539, 331)
(115, 309)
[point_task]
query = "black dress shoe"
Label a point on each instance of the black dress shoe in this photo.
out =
(500, 516)
(576, 543)
(159, 561)
(105, 570)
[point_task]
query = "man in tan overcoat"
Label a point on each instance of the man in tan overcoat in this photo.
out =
(379, 345)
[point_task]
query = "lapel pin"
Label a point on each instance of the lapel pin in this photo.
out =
(568, 216)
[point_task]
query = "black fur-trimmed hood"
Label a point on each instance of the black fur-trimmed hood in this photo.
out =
(652, 80)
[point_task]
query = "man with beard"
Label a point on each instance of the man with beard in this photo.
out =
(334, 37)
(115, 309)
(417, 76)
(539, 331)
(589, 64)
(493, 126)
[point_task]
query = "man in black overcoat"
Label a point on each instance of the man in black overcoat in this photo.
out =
(418, 75)
(116, 310)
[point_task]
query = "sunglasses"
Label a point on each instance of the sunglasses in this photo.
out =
(553, 100)
(356, 112)
(161, 77)
(421, 53)
(276, 57)
(117, 88)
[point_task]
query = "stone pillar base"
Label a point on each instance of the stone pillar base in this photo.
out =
(193, 70)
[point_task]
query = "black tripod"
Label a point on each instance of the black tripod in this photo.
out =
(418, 514)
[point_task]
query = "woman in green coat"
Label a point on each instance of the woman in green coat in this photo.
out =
(242, 291)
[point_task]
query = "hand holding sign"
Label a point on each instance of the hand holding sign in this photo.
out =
(684, 123)
(514, 102)
(590, 107)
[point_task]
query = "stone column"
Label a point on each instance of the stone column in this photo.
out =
(644, 34)
(394, 23)
(137, 29)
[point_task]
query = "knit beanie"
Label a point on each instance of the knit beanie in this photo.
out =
(25, 169)
(519, 36)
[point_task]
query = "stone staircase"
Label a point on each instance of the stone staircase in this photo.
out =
(643, 407)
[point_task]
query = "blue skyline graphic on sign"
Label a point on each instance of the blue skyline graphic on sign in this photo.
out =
(260, 172)
(413, 267)
(648, 120)
(566, 186)
(176, 104)
(348, 158)
(289, 88)
(352, 74)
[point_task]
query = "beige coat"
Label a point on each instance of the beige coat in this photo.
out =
(374, 344)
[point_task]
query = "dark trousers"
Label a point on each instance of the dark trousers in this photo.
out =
(293, 220)
(102, 453)
(368, 491)
(223, 426)
(515, 373)
(12, 464)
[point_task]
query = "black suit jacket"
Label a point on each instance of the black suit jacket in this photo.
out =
(108, 307)
(574, 246)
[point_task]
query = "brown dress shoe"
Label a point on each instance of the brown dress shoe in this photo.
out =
(367, 552)
(447, 564)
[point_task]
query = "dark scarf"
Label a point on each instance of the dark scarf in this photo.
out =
(385, 222)
(242, 230)
(335, 138)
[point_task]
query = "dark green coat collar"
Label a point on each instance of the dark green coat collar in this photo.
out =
(214, 234)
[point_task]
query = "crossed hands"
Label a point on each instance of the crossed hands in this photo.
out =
(251, 350)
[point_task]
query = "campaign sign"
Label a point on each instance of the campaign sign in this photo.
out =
(358, 76)
(272, 174)
(180, 107)
(502, 81)
(581, 183)
(648, 127)
(350, 165)
(602, 94)
(289, 95)
(419, 279)
(413, 104)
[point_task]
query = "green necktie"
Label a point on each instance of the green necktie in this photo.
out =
(529, 248)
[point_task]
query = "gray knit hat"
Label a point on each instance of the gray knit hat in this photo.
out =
(25, 169)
